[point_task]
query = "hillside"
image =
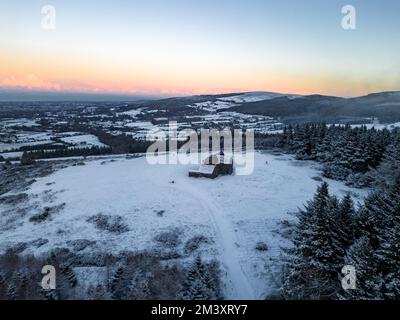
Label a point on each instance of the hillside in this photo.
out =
(289, 108)
(384, 106)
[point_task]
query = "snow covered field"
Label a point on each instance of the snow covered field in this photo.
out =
(213, 106)
(83, 140)
(27, 139)
(144, 201)
(235, 100)
(256, 96)
(18, 123)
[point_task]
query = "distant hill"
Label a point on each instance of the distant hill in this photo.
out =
(385, 106)
(291, 108)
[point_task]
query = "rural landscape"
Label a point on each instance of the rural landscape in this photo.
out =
(76, 190)
(227, 152)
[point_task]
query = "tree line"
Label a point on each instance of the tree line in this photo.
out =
(359, 156)
(331, 233)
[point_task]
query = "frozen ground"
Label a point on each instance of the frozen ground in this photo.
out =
(83, 140)
(142, 202)
(256, 96)
(24, 139)
(232, 101)
(18, 123)
(212, 106)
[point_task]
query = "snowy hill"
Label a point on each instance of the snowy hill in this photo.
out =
(257, 96)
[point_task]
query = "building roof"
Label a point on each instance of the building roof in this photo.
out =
(204, 169)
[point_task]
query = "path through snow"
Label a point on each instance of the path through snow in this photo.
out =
(238, 286)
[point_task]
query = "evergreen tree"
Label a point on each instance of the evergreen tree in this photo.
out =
(345, 222)
(379, 222)
(26, 159)
(388, 251)
(361, 256)
(196, 284)
(347, 153)
(317, 253)
(389, 168)
(117, 285)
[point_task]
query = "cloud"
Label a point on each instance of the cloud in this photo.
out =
(29, 81)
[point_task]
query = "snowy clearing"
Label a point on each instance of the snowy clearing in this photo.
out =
(123, 204)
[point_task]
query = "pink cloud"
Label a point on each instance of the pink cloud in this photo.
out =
(33, 82)
(29, 81)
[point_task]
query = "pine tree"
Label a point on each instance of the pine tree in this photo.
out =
(388, 251)
(391, 288)
(49, 294)
(345, 221)
(379, 221)
(97, 293)
(347, 153)
(26, 159)
(117, 284)
(212, 280)
(139, 287)
(389, 168)
(195, 284)
(317, 253)
(368, 282)
(69, 274)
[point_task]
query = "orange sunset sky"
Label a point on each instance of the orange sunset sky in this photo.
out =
(182, 47)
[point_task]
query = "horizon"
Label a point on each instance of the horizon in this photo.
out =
(21, 95)
(18, 95)
(184, 48)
